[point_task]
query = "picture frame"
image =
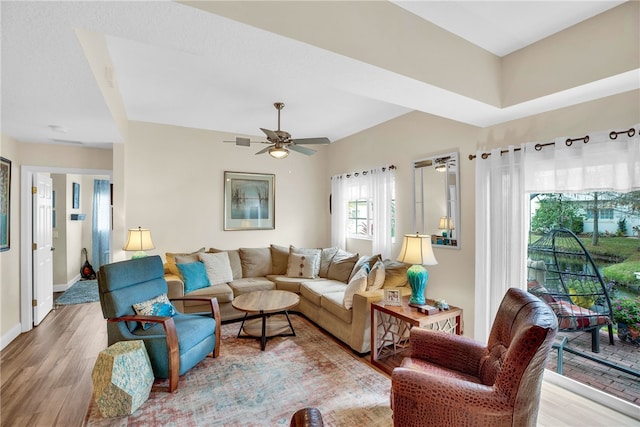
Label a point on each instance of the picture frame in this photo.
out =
(392, 297)
(76, 196)
(249, 201)
(5, 204)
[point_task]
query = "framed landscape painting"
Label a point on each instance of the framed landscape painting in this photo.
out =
(5, 203)
(249, 201)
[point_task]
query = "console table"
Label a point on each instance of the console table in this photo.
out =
(390, 326)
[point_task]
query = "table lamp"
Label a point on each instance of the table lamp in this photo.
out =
(139, 240)
(445, 224)
(416, 250)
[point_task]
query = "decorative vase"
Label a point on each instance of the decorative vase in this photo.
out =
(417, 276)
(628, 334)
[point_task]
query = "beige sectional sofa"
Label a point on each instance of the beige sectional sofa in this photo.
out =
(336, 288)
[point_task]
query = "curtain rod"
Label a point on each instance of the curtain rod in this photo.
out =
(356, 174)
(568, 142)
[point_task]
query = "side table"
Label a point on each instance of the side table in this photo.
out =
(390, 326)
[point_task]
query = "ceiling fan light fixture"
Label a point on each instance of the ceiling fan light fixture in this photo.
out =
(278, 152)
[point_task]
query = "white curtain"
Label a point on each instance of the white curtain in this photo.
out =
(377, 185)
(503, 182)
(501, 224)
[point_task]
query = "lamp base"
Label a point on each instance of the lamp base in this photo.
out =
(417, 276)
(139, 254)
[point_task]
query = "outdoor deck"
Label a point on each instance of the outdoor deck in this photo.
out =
(617, 383)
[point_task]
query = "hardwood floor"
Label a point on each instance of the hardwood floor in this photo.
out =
(45, 377)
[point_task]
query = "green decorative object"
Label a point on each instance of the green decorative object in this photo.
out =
(122, 378)
(417, 276)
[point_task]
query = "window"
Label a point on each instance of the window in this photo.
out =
(602, 214)
(363, 206)
(360, 222)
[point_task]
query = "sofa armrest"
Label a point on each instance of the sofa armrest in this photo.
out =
(175, 286)
(451, 351)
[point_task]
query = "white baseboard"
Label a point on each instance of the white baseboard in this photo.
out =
(598, 396)
(10, 336)
(63, 287)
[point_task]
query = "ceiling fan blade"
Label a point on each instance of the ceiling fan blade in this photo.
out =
(264, 150)
(270, 134)
(303, 150)
(303, 141)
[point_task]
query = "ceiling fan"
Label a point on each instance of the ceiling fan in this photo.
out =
(280, 141)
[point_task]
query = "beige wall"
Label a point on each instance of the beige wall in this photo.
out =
(10, 260)
(173, 185)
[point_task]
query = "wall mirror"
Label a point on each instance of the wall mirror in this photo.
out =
(436, 184)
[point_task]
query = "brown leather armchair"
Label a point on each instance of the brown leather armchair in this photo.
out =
(454, 380)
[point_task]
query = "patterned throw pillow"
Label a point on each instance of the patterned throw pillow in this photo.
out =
(194, 275)
(158, 306)
(358, 283)
(302, 266)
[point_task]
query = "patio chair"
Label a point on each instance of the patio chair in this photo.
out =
(175, 342)
(561, 272)
(452, 380)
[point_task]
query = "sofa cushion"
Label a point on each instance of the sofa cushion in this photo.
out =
(279, 259)
(250, 284)
(194, 276)
(234, 261)
(217, 267)
(326, 255)
(308, 251)
(332, 302)
(314, 289)
(395, 274)
(365, 262)
(256, 262)
(302, 266)
(342, 265)
(222, 291)
(358, 283)
(170, 267)
(376, 277)
(291, 284)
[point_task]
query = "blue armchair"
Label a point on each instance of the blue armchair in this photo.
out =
(174, 343)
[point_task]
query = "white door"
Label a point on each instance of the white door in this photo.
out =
(42, 248)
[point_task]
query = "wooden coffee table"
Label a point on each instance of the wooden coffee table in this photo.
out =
(265, 303)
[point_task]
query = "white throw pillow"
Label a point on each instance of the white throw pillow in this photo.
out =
(358, 283)
(302, 266)
(376, 277)
(217, 266)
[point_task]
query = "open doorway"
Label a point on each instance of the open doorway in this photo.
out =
(73, 209)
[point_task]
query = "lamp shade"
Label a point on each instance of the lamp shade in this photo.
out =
(139, 239)
(416, 249)
(278, 152)
(442, 225)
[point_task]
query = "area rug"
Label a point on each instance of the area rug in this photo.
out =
(248, 387)
(80, 292)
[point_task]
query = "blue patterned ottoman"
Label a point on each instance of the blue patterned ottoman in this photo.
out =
(122, 378)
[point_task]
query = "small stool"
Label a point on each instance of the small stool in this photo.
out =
(122, 378)
(560, 346)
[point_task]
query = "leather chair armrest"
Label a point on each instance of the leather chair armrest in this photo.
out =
(441, 395)
(455, 352)
(172, 342)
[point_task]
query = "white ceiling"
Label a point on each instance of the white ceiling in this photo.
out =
(181, 66)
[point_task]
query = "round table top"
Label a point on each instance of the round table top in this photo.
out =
(265, 301)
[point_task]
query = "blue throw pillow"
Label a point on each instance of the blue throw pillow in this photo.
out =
(194, 275)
